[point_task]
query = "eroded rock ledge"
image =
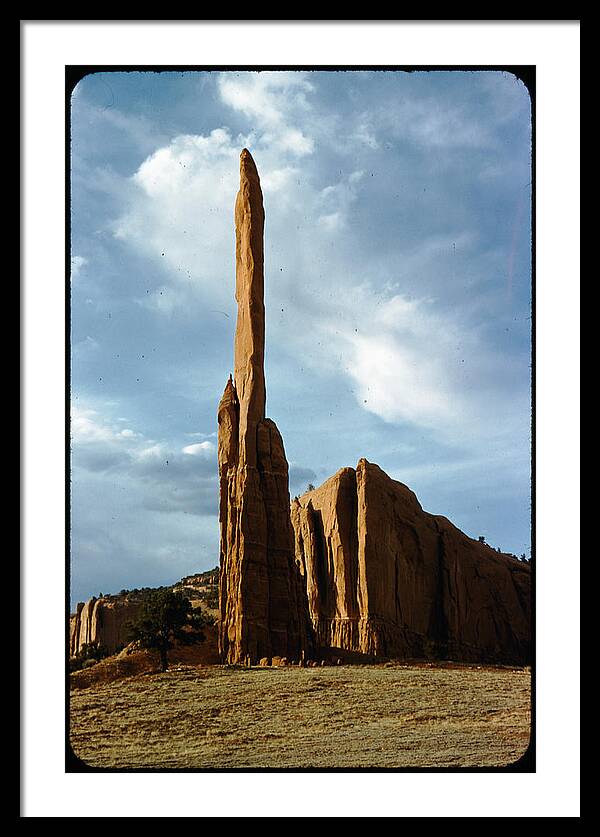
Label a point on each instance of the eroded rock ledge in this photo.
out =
(104, 621)
(385, 578)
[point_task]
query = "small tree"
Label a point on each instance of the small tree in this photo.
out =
(166, 616)
(310, 487)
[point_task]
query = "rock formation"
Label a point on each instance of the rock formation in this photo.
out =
(385, 578)
(263, 613)
(103, 621)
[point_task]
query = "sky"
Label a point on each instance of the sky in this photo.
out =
(397, 294)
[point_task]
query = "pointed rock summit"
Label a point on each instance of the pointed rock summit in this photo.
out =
(249, 349)
(262, 599)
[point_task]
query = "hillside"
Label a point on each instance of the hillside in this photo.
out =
(104, 620)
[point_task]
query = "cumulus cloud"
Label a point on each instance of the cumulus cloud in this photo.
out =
(181, 212)
(274, 99)
(199, 449)
(87, 426)
(412, 363)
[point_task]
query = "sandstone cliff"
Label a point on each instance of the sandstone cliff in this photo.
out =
(103, 621)
(261, 596)
(385, 578)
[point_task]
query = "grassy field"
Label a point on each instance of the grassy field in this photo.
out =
(345, 716)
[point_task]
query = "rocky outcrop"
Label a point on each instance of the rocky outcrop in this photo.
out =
(385, 578)
(103, 621)
(74, 628)
(357, 565)
(262, 609)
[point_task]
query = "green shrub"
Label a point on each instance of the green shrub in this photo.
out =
(88, 655)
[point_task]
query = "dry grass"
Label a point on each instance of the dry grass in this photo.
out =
(347, 716)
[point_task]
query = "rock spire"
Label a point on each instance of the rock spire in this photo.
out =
(262, 600)
(355, 566)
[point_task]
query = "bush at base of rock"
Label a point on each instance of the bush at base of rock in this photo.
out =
(88, 655)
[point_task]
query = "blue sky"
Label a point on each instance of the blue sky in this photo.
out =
(398, 298)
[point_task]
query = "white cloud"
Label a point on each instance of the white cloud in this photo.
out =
(269, 96)
(277, 180)
(199, 449)
(410, 362)
(88, 426)
(400, 357)
(165, 170)
(275, 100)
(295, 141)
(181, 215)
(396, 384)
(152, 451)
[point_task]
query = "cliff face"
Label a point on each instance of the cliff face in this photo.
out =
(262, 609)
(103, 621)
(385, 578)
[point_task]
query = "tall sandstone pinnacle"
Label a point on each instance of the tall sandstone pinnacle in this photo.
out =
(262, 599)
